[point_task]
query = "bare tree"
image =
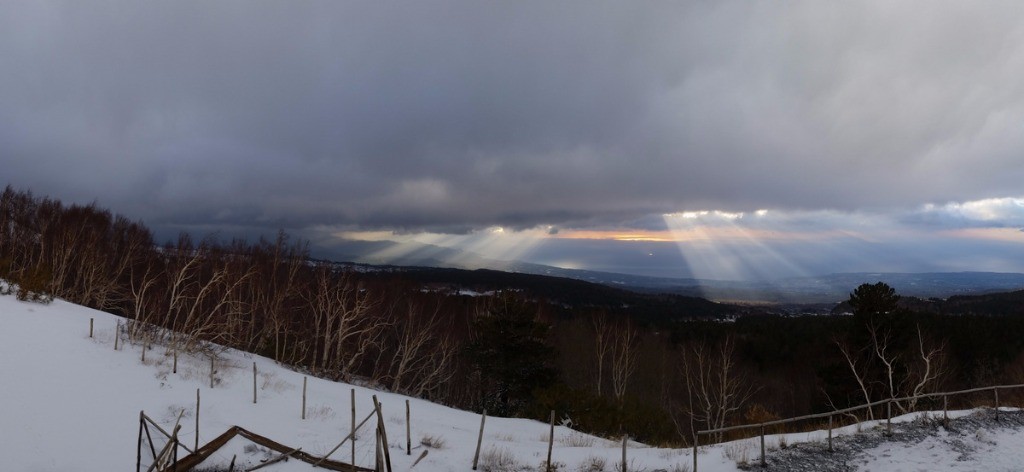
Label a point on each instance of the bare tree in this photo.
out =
(602, 345)
(423, 351)
(927, 371)
(624, 357)
(716, 389)
(900, 373)
(855, 363)
(342, 313)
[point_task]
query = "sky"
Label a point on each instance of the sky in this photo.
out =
(735, 140)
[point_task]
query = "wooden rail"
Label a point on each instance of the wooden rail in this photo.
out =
(888, 420)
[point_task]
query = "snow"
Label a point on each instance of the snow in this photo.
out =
(996, 449)
(70, 402)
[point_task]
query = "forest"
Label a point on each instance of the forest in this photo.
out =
(654, 366)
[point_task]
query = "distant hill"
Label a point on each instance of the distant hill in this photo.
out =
(560, 291)
(821, 289)
(995, 304)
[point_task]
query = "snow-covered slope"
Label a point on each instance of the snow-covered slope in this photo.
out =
(70, 402)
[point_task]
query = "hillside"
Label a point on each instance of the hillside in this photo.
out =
(76, 403)
(567, 292)
(994, 304)
(988, 304)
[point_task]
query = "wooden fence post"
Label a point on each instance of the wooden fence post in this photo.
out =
(350, 436)
(353, 430)
(408, 431)
(211, 372)
(888, 418)
(304, 397)
(418, 459)
(383, 433)
(197, 420)
(175, 371)
(945, 411)
(479, 438)
(254, 383)
(90, 326)
(764, 460)
(174, 448)
(376, 450)
(695, 444)
(995, 390)
(117, 333)
(625, 439)
(551, 439)
(142, 422)
(149, 438)
(830, 433)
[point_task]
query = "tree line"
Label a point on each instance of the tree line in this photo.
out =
(656, 374)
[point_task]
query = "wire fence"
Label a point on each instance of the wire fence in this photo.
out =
(849, 411)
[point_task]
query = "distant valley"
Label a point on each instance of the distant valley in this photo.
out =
(812, 290)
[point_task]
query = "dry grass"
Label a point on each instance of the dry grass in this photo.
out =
(592, 464)
(631, 466)
(505, 437)
(740, 452)
(498, 460)
(320, 412)
(433, 442)
(681, 467)
(272, 383)
(577, 439)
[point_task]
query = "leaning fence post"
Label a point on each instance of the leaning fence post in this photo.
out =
(479, 438)
(117, 333)
(829, 433)
(376, 450)
(138, 450)
(174, 441)
(764, 461)
(383, 433)
(304, 379)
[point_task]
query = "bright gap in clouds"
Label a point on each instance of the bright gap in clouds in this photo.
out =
(494, 243)
(729, 249)
(981, 235)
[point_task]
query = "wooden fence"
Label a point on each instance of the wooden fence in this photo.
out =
(830, 415)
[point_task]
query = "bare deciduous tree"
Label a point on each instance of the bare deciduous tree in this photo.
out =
(602, 344)
(715, 387)
(423, 351)
(624, 354)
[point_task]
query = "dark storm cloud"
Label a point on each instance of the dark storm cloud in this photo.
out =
(457, 115)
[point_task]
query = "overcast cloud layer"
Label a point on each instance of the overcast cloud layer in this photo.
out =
(455, 116)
